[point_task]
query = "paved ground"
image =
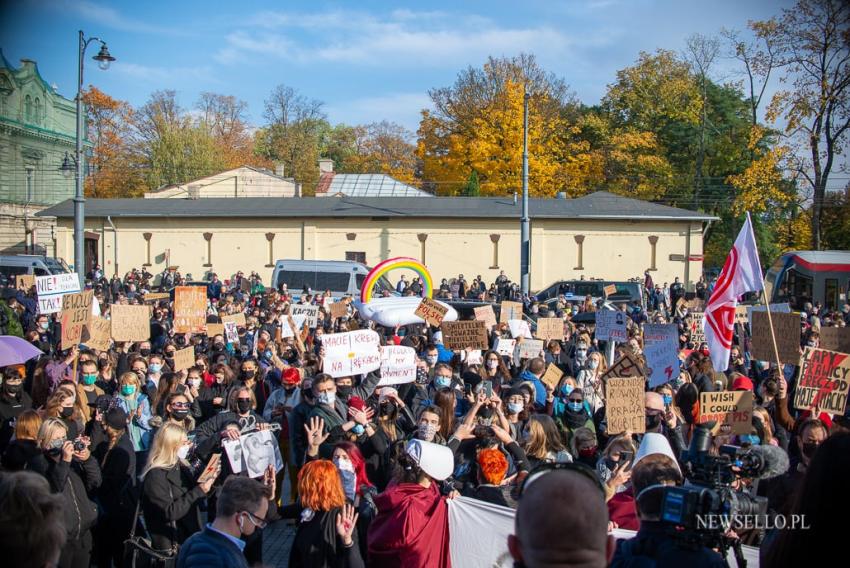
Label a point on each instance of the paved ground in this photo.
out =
(277, 539)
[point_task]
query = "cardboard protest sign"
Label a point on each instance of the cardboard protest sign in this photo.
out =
(787, 329)
(731, 410)
(624, 405)
(474, 357)
(339, 309)
(24, 281)
(824, 381)
(610, 290)
(212, 469)
(190, 309)
(310, 313)
(97, 333)
(214, 329)
(696, 305)
(661, 349)
(519, 328)
(76, 313)
(611, 326)
(625, 366)
(530, 348)
(550, 329)
(835, 339)
(398, 365)
(741, 315)
(487, 315)
(238, 319)
(505, 346)
(230, 332)
(130, 323)
(184, 358)
(50, 290)
(431, 311)
(465, 334)
(510, 311)
(552, 375)
(696, 329)
(351, 353)
(781, 308)
(154, 296)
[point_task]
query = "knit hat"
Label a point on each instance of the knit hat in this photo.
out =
(742, 383)
(291, 376)
(116, 418)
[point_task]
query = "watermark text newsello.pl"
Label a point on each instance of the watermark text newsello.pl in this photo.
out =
(752, 522)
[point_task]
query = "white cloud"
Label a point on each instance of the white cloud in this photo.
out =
(403, 108)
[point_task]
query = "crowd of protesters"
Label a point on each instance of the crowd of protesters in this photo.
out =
(111, 436)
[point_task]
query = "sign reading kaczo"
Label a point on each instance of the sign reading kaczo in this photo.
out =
(465, 334)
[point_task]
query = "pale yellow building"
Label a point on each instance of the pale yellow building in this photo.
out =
(597, 236)
(244, 181)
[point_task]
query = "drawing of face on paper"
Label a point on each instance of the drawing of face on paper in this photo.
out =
(258, 451)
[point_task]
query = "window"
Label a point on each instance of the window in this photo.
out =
(37, 116)
(831, 293)
(28, 109)
(796, 289)
(356, 257)
(30, 184)
(317, 281)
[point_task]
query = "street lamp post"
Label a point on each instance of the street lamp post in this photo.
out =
(103, 59)
(525, 243)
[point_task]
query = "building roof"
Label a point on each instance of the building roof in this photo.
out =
(365, 185)
(211, 177)
(599, 205)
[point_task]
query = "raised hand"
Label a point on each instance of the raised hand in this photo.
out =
(346, 520)
(315, 430)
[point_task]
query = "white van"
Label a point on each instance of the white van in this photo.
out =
(341, 277)
(14, 264)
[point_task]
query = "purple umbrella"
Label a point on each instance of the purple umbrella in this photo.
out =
(15, 351)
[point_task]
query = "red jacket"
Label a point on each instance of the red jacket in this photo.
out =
(621, 510)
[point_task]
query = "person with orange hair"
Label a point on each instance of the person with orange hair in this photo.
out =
(326, 534)
(492, 467)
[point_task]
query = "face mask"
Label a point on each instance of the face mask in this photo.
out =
(611, 464)
(344, 390)
(89, 380)
(349, 477)
(426, 432)
(442, 382)
(243, 406)
(219, 379)
(195, 383)
(592, 364)
(431, 359)
(566, 389)
(421, 377)
(218, 347)
(750, 439)
(183, 451)
(128, 390)
(358, 429)
(179, 415)
(13, 389)
(67, 411)
(44, 325)
(587, 452)
(668, 399)
(515, 407)
(652, 421)
(249, 374)
(575, 406)
(144, 352)
(327, 397)
(809, 449)
(492, 365)
(581, 355)
(155, 368)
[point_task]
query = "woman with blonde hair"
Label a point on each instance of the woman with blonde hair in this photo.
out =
(590, 380)
(137, 406)
(543, 443)
(170, 496)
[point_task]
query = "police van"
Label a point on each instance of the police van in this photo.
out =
(341, 277)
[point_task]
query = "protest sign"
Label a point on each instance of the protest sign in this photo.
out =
(787, 329)
(230, 332)
(97, 333)
(625, 366)
(214, 329)
(184, 358)
(782, 308)
(212, 469)
(697, 333)
(550, 329)
(835, 339)
(474, 357)
(530, 348)
(339, 309)
(190, 309)
(130, 323)
(233, 451)
(259, 451)
(76, 312)
(696, 305)
(351, 353)
(310, 313)
(624, 405)
(824, 381)
(238, 319)
(465, 334)
(552, 375)
(611, 326)
(661, 349)
(510, 311)
(487, 315)
(741, 315)
(398, 365)
(154, 296)
(519, 328)
(50, 290)
(505, 346)
(431, 311)
(24, 281)
(291, 325)
(610, 290)
(731, 410)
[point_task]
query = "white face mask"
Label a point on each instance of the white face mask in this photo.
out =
(492, 364)
(183, 451)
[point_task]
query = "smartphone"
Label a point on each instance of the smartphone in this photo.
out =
(627, 457)
(467, 388)
(488, 388)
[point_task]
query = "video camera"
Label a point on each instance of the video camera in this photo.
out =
(701, 512)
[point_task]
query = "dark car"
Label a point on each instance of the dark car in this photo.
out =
(577, 290)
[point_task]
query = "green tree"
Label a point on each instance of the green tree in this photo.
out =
(472, 187)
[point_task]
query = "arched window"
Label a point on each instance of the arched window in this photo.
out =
(37, 117)
(28, 109)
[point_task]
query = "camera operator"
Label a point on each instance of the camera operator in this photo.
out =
(653, 542)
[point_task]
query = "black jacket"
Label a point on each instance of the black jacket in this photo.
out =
(11, 408)
(317, 544)
(171, 496)
(653, 547)
(19, 454)
(116, 494)
(75, 481)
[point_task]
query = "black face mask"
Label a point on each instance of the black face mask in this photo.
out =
(67, 411)
(179, 415)
(809, 449)
(243, 406)
(249, 374)
(652, 421)
(13, 389)
(144, 352)
(218, 347)
(344, 391)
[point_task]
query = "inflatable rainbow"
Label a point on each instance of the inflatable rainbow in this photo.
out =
(391, 264)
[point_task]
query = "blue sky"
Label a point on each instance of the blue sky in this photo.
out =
(367, 61)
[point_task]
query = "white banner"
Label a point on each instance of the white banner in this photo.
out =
(311, 313)
(661, 349)
(351, 353)
(505, 346)
(519, 328)
(398, 365)
(50, 290)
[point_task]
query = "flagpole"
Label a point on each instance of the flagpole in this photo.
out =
(765, 298)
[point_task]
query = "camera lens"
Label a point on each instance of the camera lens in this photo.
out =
(79, 445)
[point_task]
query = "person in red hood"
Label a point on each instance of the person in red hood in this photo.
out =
(412, 524)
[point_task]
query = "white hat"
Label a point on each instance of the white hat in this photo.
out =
(654, 443)
(435, 460)
(438, 337)
(384, 391)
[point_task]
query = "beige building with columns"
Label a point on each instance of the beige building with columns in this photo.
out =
(596, 236)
